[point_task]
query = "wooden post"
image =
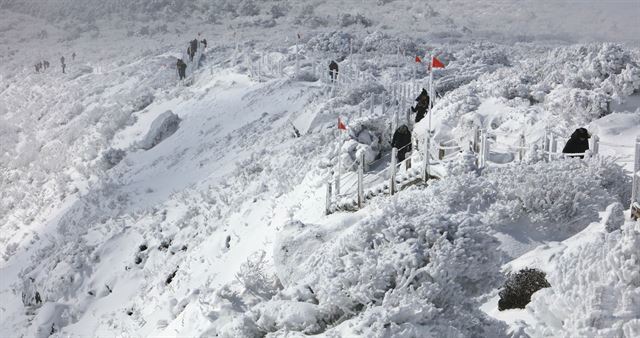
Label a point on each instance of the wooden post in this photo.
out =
(425, 156)
(392, 178)
(373, 104)
(440, 152)
(545, 144)
(339, 173)
(522, 146)
(407, 113)
(635, 188)
(327, 209)
(361, 182)
(595, 144)
(483, 149)
(384, 103)
(476, 139)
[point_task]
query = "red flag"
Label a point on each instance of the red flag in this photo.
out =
(418, 59)
(435, 63)
(341, 125)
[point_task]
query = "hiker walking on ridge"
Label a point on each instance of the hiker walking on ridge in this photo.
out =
(333, 70)
(402, 141)
(182, 67)
(578, 143)
(73, 56)
(193, 47)
(421, 107)
(62, 64)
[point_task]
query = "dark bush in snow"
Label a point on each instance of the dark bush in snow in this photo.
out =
(518, 288)
(162, 127)
(112, 157)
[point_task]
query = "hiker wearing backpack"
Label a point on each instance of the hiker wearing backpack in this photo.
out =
(333, 70)
(578, 143)
(422, 106)
(402, 141)
(182, 67)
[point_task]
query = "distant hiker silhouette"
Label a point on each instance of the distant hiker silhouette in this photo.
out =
(204, 43)
(421, 107)
(333, 70)
(73, 56)
(578, 143)
(45, 64)
(402, 141)
(193, 48)
(62, 64)
(37, 65)
(182, 67)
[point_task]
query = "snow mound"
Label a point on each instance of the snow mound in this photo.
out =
(161, 128)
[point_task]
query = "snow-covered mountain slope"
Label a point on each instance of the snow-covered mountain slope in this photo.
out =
(118, 217)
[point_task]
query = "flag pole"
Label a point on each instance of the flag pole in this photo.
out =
(431, 98)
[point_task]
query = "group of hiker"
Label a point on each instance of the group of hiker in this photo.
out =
(576, 146)
(43, 65)
(191, 52)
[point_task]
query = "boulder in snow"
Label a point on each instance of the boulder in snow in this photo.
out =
(162, 127)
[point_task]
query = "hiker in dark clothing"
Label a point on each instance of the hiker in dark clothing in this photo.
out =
(63, 65)
(37, 68)
(333, 70)
(204, 43)
(194, 47)
(45, 63)
(73, 56)
(422, 106)
(402, 141)
(578, 143)
(182, 67)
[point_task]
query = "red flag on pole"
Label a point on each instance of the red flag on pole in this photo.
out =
(341, 125)
(418, 59)
(435, 63)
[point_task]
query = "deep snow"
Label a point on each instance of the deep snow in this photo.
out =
(219, 227)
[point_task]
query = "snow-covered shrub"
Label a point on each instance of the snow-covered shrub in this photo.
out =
(30, 296)
(614, 217)
(333, 42)
(559, 195)
(346, 19)
(571, 107)
(589, 278)
(518, 288)
(248, 8)
(255, 280)
(279, 10)
(112, 157)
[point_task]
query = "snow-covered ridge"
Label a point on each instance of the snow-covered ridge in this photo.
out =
(219, 228)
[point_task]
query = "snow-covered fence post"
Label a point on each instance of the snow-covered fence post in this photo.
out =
(484, 149)
(635, 189)
(407, 113)
(384, 103)
(373, 104)
(554, 146)
(392, 176)
(545, 144)
(476, 139)
(327, 209)
(440, 151)
(523, 144)
(361, 181)
(339, 171)
(595, 144)
(425, 156)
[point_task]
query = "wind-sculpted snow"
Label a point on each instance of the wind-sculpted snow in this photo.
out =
(414, 264)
